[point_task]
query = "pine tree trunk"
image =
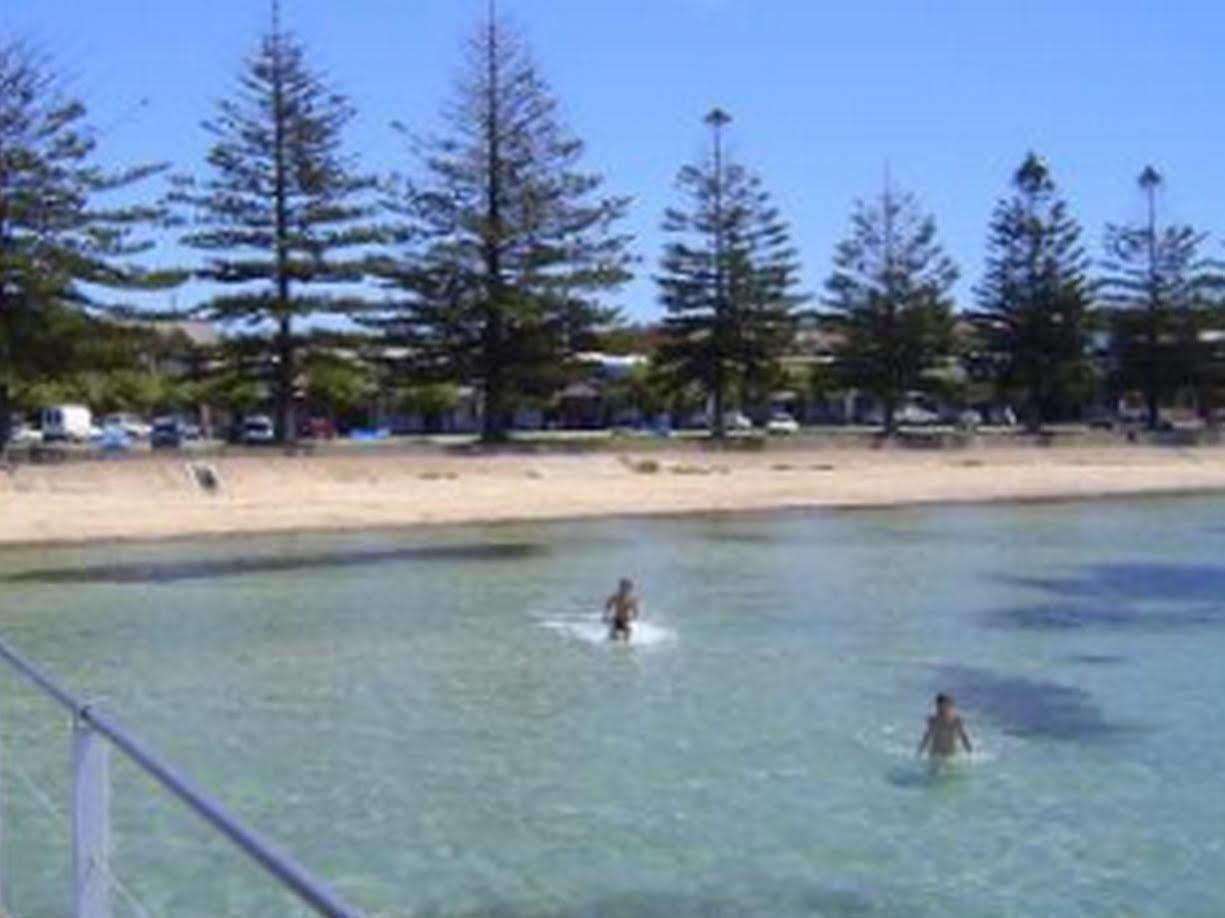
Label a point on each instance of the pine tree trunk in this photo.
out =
(6, 410)
(6, 340)
(750, 404)
(6, 416)
(283, 421)
(1152, 384)
(1035, 420)
(1152, 401)
(286, 371)
(493, 424)
(890, 415)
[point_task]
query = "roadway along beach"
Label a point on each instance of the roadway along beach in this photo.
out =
(155, 497)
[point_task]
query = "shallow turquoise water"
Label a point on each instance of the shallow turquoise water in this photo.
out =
(430, 721)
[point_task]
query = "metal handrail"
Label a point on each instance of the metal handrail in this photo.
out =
(278, 864)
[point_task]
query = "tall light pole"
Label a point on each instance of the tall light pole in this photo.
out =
(717, 120)
(1150, 182)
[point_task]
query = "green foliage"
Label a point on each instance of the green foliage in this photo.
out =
(429, 399)
(626, 339)
(342, 384)
(641, 390)
(889, 294)
(511, 246)
(728, 282)
(818, 382)
(1035, 294)
(132, 390)
(61, 247)
(283, 216)
(234, 391)
(127, 390)
(1157, 285)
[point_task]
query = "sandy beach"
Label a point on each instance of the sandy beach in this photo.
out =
(157, 497)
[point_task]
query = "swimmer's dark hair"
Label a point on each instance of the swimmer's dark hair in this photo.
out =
(944, 698)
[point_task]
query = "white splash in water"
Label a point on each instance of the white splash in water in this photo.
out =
(594, 630)
(894, 741)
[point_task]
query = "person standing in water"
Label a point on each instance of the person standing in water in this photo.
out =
(621, 611)
(944, 730)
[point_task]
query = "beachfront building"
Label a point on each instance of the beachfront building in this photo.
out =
(349, 383)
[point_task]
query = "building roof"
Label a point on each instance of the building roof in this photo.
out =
(197, 332)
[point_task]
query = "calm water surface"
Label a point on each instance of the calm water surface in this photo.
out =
(433, 722)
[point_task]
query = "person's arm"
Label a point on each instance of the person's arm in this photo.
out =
(965, 739)
(927, 737)
(608, 605)
(634, 611)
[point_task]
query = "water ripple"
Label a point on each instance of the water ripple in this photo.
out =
(212, 568)
(1030, 707)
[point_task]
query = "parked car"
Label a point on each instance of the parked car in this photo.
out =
(22, 434)
(962, 418)
(317, 428)
(68, 422)
(258, 430)
(782, 424)
(916, 416)
(969, 419)
(732, 421)
(112, 438)
(167, 433)
(736, 420)
(136, 428)
(370, 434)
(1100, 418)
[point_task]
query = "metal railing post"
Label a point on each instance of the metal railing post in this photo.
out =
(91, 821)
(93, 734)
(3, 829)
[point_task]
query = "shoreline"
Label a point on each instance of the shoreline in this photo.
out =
(426, 527)
(153, 498)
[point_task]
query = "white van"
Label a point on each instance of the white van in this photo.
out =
(67, 422)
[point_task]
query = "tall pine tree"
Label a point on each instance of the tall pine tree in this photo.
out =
(889, 294)
(511, 244)
(1156, 285)
(284, 216)
(63, 248)
(1034, 296)
(728, 281)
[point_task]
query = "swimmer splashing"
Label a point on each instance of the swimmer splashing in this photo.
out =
(621, 611)
(944, 730)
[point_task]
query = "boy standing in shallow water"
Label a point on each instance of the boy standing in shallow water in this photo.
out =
(620, 611)
(944, 729)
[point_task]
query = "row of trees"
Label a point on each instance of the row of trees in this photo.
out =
(730, 287)
(492, 262)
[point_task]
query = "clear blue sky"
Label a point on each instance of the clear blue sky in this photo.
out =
(950, 92)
